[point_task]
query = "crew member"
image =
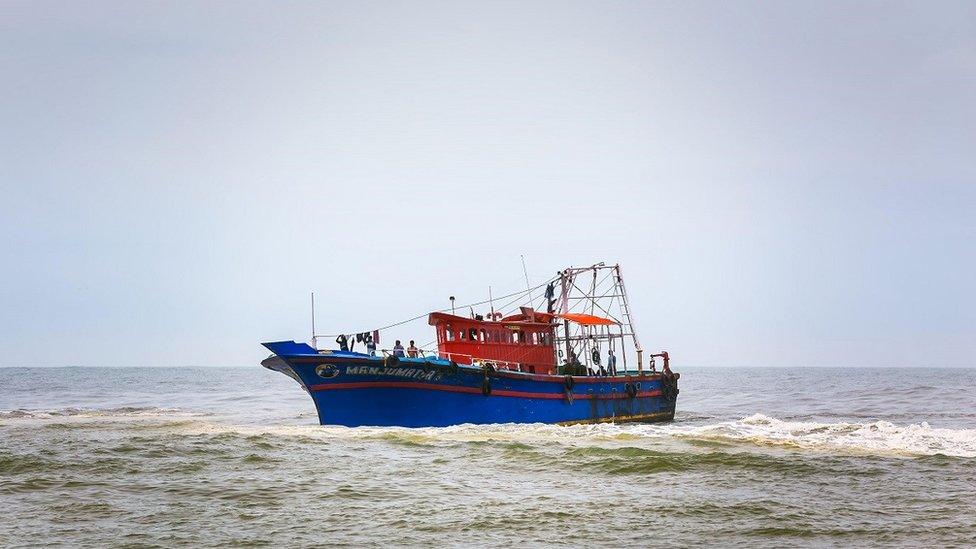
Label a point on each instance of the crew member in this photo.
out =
(398, 349)
(370, 346)
(412, 351)
(612, 363)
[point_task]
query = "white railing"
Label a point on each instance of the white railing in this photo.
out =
(478, 361)
(473, 360)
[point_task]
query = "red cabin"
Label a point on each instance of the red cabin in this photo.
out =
(524, 342)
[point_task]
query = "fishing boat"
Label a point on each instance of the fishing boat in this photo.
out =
(554, 361)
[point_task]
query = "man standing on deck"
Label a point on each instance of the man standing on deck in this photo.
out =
(612, 363)
(398, 349)
(412, 351)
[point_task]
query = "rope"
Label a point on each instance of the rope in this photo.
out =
(418, 317)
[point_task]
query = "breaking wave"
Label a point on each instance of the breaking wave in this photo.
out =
(872, 438)
(878, 437)
(120, 412)
(865, 438)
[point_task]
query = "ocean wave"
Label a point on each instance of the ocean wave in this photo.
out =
(880, 437)
(71, 412)
(877, 437)
(874, 438)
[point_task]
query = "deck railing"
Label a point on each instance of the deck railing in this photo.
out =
(473, 360)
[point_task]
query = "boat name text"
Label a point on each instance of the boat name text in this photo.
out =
(412, 373)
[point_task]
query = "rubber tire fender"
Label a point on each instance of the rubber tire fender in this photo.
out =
(631, 390)
(672, 389)
(485, 386)
(391, 361)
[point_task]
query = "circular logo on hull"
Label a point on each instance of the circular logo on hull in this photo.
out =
(326, 371)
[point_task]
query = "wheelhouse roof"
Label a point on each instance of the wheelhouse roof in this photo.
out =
(523, 318)
(542, 319)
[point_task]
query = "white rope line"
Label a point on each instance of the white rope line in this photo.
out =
(418, 317)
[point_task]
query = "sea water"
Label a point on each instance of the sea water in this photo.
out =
(94, 457)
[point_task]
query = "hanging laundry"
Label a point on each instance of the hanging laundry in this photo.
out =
(376, 337)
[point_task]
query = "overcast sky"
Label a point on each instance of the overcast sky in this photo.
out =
(785, 183)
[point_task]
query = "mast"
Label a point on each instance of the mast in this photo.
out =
(526, 274)
(315, 343)
(625, 313)
(564, 308)
(602, 294)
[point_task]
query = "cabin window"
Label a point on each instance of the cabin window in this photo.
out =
(473, 334)
(448, 334)
(484, 336)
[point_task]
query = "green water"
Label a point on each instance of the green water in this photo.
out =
(217, 457)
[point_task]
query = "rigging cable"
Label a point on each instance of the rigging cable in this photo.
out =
(418, 317)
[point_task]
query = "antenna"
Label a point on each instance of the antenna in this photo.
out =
(526, 273)
(315, 344)
(492, 302)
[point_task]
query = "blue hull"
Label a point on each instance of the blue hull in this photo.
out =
(354, 389)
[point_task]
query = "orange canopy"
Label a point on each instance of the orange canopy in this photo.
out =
(587, 320)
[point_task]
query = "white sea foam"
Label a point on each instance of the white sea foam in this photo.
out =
(878, 437)
(874, 438)
(82, 413)
(870, 438)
